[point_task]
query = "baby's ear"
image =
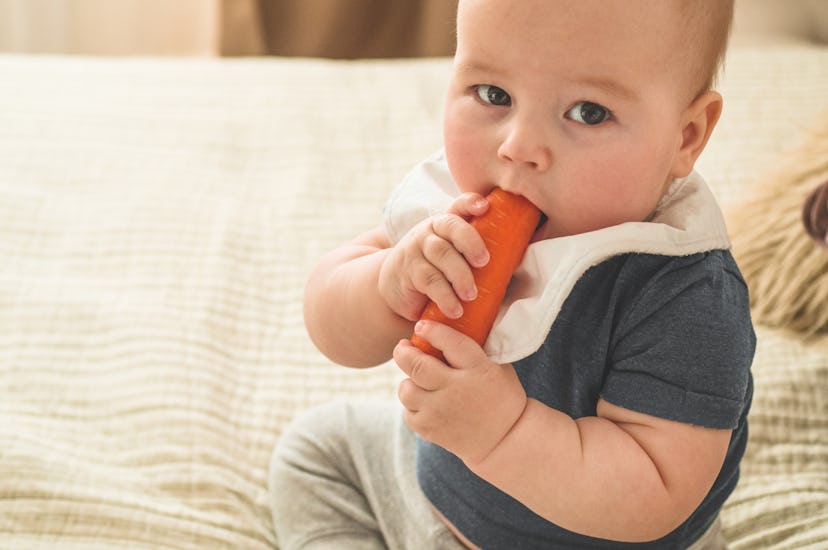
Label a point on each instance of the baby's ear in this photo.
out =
(697, 123)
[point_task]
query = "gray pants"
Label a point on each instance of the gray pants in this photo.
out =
(343, 476)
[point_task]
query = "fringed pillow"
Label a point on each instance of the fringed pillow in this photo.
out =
(779, 240)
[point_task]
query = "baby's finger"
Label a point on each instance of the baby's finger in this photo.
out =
(463, 237)
(459, 350)
(430, 281)
(424, 370)
(454, 267)
(410, 395)
(468, 205)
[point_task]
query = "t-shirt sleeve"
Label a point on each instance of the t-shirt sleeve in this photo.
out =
(683, 350)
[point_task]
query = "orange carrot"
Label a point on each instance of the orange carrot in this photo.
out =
(506, 228)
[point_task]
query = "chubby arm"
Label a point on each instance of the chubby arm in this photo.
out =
(345, 315)
(619, 475)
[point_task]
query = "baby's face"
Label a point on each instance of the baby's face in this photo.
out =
(576, 104)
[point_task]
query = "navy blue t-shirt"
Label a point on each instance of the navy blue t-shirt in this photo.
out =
(669, 336)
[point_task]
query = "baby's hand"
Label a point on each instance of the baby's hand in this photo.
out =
(466, 406)
(433, 261)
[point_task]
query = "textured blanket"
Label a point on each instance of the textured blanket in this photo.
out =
(157, 222)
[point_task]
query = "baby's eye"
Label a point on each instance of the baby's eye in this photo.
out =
(493, 95)
(589, 113)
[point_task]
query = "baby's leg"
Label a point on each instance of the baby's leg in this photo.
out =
(343, 476)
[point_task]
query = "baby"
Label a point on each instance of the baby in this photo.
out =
(608, 408)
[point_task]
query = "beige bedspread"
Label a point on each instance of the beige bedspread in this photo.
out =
(157, 221)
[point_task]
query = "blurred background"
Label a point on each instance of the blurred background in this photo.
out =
(317, 28)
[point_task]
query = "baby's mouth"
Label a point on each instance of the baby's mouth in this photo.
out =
(540, 231)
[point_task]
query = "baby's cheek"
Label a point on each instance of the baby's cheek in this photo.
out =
(469, 149)
(465, 163)
(634, 186)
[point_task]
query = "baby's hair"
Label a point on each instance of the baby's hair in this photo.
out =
(708, 24)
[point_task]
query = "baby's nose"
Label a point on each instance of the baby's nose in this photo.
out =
(527, 145)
